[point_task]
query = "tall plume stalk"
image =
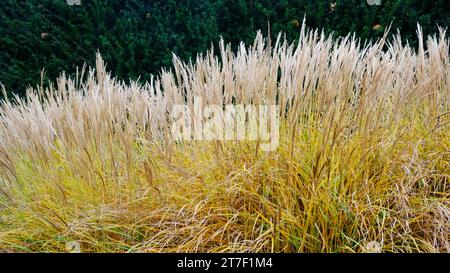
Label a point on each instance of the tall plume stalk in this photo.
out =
(362, 165)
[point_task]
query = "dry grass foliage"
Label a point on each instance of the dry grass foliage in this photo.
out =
(362, 165)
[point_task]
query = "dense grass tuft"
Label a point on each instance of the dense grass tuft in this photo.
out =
(362, 165)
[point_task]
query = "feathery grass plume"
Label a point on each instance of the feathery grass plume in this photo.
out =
(363, 156)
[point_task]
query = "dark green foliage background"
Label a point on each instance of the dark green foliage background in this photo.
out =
(137, 37)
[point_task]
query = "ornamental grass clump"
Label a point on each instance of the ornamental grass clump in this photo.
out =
(362, 163)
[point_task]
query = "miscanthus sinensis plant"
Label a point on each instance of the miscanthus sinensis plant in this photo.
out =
(362, 163)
